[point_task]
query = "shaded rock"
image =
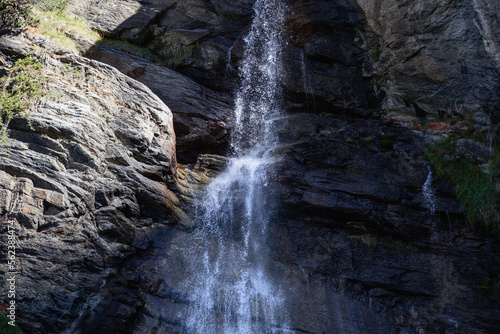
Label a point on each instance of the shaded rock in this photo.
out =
(473, 151)
(324, 58)
(438, 58)
(194, 36)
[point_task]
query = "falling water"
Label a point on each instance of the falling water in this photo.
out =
(306, 81)
(231, 290)
(428, 192)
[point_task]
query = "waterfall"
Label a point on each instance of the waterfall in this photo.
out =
(308, 90)
(428, 192)
(231, 290)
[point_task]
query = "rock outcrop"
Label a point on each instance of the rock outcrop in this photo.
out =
(200, 114)
(413, 60)
(433, 57)
(84, 182)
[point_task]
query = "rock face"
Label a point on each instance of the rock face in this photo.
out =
(367, 240)
(195, 36)
(413, 60)
(359, 221)
(201, 114)
(83, 183)
(433, 57)
(357, 246)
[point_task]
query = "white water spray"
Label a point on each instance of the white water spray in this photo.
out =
(428, 192)
(231, 290)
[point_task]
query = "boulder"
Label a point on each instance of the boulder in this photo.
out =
(200, 114)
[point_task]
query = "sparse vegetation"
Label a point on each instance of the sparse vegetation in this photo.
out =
(5, 328)
(386, 143)
(368, 240)
(52, 5)
(140, 51)
(62, 26)
(20, 90)
(375, 53)
(161, 51)
(475, 187)
(171, 51)
(487, 289)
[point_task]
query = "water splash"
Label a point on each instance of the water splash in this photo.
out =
(231, 290)
(428, 191)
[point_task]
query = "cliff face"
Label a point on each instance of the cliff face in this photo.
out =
(366, 227)
(84, 182)
(435, 57)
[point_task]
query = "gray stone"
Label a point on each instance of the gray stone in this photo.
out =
(94, 160)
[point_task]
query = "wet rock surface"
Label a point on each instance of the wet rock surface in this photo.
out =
(355, 248)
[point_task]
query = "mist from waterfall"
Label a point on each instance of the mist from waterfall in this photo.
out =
(231, 290)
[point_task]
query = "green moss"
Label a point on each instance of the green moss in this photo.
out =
(5, 328)
(475, 188)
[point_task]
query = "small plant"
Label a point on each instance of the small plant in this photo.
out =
(20, 89)
(386, 143)
(487, 289)
(127, 47)
(61, 25)
(375, 53)
(171, 52)
(368, 240)
(52, 5)
(397, 246)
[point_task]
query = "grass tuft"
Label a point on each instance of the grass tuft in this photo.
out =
(64, 28)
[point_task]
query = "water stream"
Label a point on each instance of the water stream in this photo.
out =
(231, 290)
(428, 191)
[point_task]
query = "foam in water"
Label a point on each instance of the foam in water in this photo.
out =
(230, 290)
